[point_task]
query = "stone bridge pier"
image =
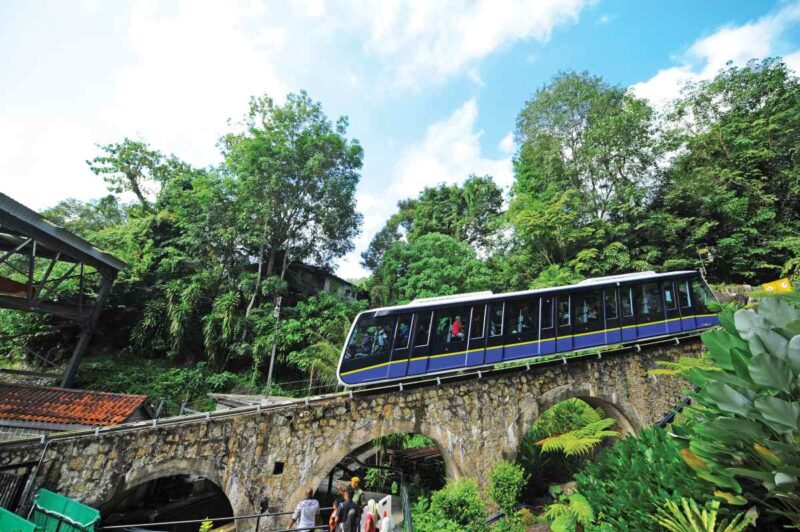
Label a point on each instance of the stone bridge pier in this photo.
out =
(270, 457)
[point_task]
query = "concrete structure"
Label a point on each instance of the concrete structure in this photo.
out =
(268, 458)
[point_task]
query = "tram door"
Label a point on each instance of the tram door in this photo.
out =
(650, 317)
(402, 347)
(627, 314)
(587, 319)
(476, 349)
(494, 332)
(671, 308)
(420, 343)
(521, 328)
(563, 323)
(613, 333)
(547, 325)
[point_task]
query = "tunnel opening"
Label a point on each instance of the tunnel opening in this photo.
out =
(389, 469)
(167, 499)
(562, 439)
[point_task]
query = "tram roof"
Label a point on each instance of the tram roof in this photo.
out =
(488, 295)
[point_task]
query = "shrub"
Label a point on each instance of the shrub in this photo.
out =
(456, 507)
(689, 517)
(505, 485)
(632, 479)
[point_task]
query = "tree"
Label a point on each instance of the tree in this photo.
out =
(735, 183)
(469, 213)
(587, 156)
(431, 265)
(132, 166)
(296, 175)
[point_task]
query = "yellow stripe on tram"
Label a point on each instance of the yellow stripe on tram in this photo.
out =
(530, 342)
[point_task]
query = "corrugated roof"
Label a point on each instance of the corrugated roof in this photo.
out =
(62, 405)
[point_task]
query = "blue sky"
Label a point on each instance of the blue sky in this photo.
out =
(432, 88)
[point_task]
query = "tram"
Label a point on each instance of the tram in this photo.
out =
(439, 335)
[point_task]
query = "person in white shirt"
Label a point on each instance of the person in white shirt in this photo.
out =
(306, 513)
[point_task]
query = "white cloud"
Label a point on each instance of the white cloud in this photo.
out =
(706, 56)
(431, 41)
(195, 66)
(507, 144)
(449, 153)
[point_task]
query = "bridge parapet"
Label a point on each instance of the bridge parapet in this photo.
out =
(273, 455)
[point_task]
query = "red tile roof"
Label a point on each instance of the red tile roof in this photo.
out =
(59, 405)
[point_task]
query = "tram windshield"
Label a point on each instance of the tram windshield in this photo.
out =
(371, 336)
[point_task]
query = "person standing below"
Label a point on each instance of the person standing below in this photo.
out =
(306, 513)
(347, 514)
(372, 518)
(356, 494)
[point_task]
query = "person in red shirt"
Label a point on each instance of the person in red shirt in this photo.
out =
(457, 329)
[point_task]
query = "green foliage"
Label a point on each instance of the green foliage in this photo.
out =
(570, 512)
(456, 507)
(505, 485)
(545, 467)
(592, 429)
(158, 379)
(206, 526)
(629, 481)
(744, 430)
(689, 517)
(432, 265)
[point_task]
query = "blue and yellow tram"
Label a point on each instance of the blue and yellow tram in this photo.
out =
(470, 331)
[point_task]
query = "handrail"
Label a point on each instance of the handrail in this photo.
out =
(516, 366)
(214, 519)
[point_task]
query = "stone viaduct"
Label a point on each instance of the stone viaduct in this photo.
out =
(273, 455)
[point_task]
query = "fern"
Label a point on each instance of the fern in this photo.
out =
(684, 366)
(569, 512)
(689, 517)
(584, 439)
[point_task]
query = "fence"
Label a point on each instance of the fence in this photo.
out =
(13, 478)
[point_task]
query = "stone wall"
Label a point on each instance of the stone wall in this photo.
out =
(475, 423)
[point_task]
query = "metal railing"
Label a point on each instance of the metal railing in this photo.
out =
(257, 517)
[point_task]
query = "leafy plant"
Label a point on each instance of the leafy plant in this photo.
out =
(744, 430)
(505, 485)
(456, 507)
(206, 526)
(690, 517)
(582, 440)
(630, 480)
(570, 512)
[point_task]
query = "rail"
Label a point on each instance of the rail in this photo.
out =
(257, 517)
(292, 404)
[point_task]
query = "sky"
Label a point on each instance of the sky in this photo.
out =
(431, 88)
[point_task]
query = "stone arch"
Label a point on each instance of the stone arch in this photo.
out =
(615, 405)
(138, 476)
(357, 439)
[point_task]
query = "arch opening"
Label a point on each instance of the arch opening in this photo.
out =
(169, 498)
(386, 466)
(569, 432)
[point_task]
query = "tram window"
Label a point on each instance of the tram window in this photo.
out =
(650, 299)
(497, 321)
(547, 312)
(519, 316)
(669, 296)
(587, 308)
(610, 299)
(403, 332)
(563, 311)
(372, 336)
(626, 295)
(451, 325)
(422, 330)
(702, 294)
(684, 296)
(476, 330)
